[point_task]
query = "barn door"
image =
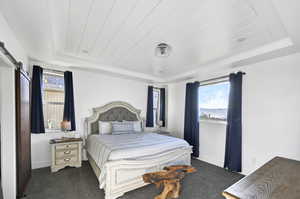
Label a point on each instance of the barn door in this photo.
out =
(23, 141)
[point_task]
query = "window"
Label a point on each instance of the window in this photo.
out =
(53, 100)
(156, 96)
(213, 101)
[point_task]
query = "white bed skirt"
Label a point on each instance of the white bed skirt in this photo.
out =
(126, 175)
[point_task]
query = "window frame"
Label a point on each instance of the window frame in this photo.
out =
(59, 74)
(208, 83)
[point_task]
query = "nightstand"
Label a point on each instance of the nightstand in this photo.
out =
(65, 152)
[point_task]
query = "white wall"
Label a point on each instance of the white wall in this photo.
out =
(7, 110)
(8, 135)
(11, 43)
(271, 114)
(91, 90)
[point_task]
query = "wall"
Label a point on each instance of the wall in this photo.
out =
(7, 109)
(8, 136)
(11, 43)
(91, 90)
(271, 122)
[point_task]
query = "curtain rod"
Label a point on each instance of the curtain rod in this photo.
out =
(217, 78)
(10, 56)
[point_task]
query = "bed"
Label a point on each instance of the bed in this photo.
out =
(119, 161)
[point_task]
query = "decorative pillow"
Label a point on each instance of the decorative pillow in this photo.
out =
(137, 125)
(105, 127)
(122, 127)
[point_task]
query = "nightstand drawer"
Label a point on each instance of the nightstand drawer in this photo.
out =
(66, 152)
(66, 160)
(67, 146)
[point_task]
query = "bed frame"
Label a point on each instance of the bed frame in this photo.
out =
(126, 175)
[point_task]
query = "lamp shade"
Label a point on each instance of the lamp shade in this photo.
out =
(66, 125)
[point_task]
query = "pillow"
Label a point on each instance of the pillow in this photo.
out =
(137, 125)
(105, 127)
(122, 127)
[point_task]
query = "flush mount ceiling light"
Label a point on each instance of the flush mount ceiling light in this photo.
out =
(85, 51)
(162, 50)
(241, 39)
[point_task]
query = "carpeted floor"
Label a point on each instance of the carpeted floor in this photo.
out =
(81, 183)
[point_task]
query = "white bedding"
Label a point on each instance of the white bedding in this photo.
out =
(104, 148)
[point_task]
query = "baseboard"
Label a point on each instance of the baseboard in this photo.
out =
(40, 164)
(209, 160)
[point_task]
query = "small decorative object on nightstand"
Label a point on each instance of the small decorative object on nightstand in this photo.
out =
(65, 152)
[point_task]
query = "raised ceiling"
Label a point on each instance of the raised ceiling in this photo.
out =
(120, 36)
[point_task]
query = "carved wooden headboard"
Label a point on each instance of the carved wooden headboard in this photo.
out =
(114, 111)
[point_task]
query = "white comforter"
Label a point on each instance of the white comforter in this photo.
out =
(104, 148)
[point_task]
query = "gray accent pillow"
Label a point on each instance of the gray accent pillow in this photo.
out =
(118, 127)
(137, 125)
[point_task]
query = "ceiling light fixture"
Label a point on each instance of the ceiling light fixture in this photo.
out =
(242, 39)
(162, 50)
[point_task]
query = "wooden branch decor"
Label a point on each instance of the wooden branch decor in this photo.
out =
(169, 178)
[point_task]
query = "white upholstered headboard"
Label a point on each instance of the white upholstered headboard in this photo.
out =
(114, 111)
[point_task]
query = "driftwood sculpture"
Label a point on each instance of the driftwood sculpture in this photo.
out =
(169, 178)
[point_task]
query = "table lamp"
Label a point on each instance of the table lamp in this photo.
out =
(66, 126)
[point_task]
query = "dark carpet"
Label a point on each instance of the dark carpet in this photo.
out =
(81, 183)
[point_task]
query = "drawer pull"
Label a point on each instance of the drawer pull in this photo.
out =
(67, 152)
(67, 146)
(67, 159)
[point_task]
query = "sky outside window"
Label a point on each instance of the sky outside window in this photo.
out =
(213, 101)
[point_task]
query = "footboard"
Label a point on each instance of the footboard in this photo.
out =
(126, 175)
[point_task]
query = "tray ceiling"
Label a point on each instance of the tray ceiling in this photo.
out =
(121, 35)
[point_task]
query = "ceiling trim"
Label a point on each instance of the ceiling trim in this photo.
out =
(76, 62)
(228, 62)
(38, 42)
